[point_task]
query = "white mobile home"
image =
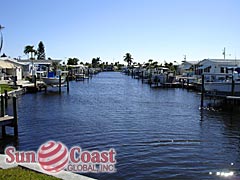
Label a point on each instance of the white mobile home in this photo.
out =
(217, 65)
(187, 68)
(31, 67)
(8, 70)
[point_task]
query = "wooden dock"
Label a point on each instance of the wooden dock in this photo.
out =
(79, 77)
(185, 83)
(9, 121)
(39, 86)
(233, 97)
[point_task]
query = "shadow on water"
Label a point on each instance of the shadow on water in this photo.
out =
(8, 141)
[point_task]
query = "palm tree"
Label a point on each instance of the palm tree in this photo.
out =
(98, 59)
(146, 65)
(150, 60)
(150, 64)
(128, 58)
(155, 64)
(30, 50)
(170, 66)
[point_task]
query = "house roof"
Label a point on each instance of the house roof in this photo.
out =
(13, 61)
(190, 62)
(39, 61)
(6, 65)
(187, 66)
(222, 60)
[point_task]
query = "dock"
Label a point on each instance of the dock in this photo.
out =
(232, 98)
(9, 121)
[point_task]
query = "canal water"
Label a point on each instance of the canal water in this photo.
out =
(157, 133)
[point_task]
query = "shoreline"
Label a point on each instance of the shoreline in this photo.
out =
(65, 175)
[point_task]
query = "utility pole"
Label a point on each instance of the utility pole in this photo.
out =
(1, 41)
(224, 53)
(185, 57)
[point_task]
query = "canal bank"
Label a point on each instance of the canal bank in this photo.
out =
(157, 133)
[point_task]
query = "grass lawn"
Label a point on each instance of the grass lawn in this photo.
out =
(23, 174)
(5, 87)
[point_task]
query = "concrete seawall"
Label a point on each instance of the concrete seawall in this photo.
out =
(65, 175)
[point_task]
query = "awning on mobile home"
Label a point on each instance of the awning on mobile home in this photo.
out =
(6, 65)
(204, 66)
(187, 66)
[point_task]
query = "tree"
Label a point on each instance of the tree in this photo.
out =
(30, 50)
(41, 51)
(55, 66)
(72, 61)
(128, 58)
(95, 62)
(146, 65)
(170, 66)
(150, 64)
(155, 64)
(150, 60)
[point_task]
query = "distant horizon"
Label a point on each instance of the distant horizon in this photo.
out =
(148, 29)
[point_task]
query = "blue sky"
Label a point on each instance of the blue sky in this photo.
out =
(148, 29)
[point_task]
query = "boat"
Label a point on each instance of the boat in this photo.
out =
(80, 76)
(224, 83)
(51, 79)
(225, 87)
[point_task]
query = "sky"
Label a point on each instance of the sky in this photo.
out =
(162, 30)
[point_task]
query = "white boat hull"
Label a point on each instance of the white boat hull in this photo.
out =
(53, 81)
(221, 87)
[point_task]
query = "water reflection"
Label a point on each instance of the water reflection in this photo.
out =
(225, 143)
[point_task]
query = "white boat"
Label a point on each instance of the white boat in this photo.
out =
(53, 80)
(225, 87)
(225, 83)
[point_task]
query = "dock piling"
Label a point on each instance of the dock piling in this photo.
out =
(233, 87)
(11, 121)
(2, 106)
(6, 98)
(15, 121)
(202, 90)
(3, 131)
(2, 115)
(67, 83)
(59, 84)
(35, 82)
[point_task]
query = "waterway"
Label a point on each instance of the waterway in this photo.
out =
(157, 133)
